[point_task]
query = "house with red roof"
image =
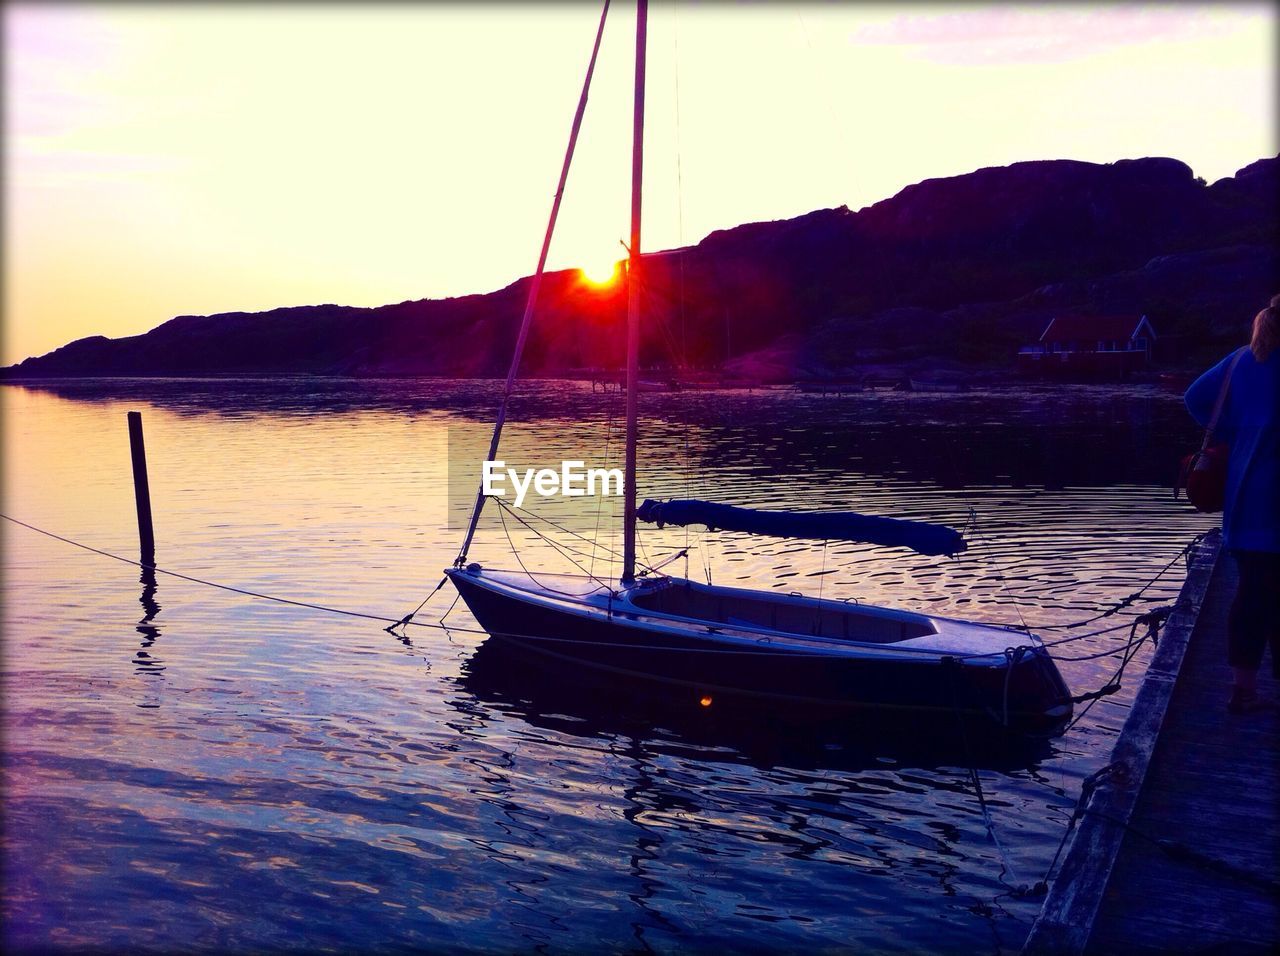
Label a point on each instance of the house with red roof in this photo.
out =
(1090, 347)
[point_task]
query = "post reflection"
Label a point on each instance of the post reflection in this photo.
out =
(146, 664)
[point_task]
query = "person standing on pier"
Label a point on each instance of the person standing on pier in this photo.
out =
(1250, 424)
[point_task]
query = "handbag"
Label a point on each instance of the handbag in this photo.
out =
(1204, 473)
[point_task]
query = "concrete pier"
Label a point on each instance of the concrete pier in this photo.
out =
(1178, 849)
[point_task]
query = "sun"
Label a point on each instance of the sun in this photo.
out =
(601, 273)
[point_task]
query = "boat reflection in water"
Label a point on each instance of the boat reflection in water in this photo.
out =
(775, 652)
(505, 674)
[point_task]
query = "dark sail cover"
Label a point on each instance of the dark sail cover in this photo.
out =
(823, 525)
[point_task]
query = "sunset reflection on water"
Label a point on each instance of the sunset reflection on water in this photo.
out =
(190, 768)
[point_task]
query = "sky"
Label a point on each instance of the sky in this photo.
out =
(187, 158)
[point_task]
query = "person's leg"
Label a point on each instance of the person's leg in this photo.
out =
(1245, 680)
(1248, 625)
(1271, 619)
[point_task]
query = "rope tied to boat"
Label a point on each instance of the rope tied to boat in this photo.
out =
(951, 667)
(408, 618)
(1153, 620)
(1185, 553)
(1087, 787)
(1105, 690)
(1012, 655)
(1156, 619)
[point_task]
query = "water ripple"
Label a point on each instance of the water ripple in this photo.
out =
(188, 770)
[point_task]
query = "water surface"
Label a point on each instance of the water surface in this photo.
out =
(188, 768)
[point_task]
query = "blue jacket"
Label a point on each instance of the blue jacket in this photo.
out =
(1250, 424)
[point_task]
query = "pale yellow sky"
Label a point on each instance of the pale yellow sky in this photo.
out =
(163, 159)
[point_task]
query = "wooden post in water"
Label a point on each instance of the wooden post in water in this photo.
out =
(141, 490)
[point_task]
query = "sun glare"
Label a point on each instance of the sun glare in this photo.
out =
(601, 273)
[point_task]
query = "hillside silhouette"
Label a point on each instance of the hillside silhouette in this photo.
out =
(956, 271)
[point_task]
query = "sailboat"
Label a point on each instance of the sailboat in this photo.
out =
(706, 642)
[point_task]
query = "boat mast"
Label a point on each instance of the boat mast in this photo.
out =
(633, 303)
(532, 300)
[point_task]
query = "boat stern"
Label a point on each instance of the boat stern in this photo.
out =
(1024, 693)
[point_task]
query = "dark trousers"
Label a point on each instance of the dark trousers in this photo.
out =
(1254, 620)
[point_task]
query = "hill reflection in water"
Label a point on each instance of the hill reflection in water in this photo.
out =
(1051, 435)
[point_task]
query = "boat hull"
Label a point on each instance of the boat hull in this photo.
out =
(1024, 695)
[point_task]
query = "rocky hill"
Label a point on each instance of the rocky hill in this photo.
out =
(960, 269)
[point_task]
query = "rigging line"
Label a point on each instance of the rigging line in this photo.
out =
(1057, 642)
(1117, 607)
(1114, 609)
(555, 524)
(608, 438)
(567, 550)
(647, 562)
(502, 514)
(658, 321)
(550, 541)
(823, 576)
(683, 553)
(684, 323)
(566, 530)
(986, 547)
(559, 527)
(515, 553)
(534, 286)
(564, 549)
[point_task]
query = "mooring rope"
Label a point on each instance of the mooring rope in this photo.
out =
(1152, 619)
(1022, 626)
(1127, 601)
(1128, 650)
(212, 584)
(407, 619)
(1087, 786)
(1006, 864)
